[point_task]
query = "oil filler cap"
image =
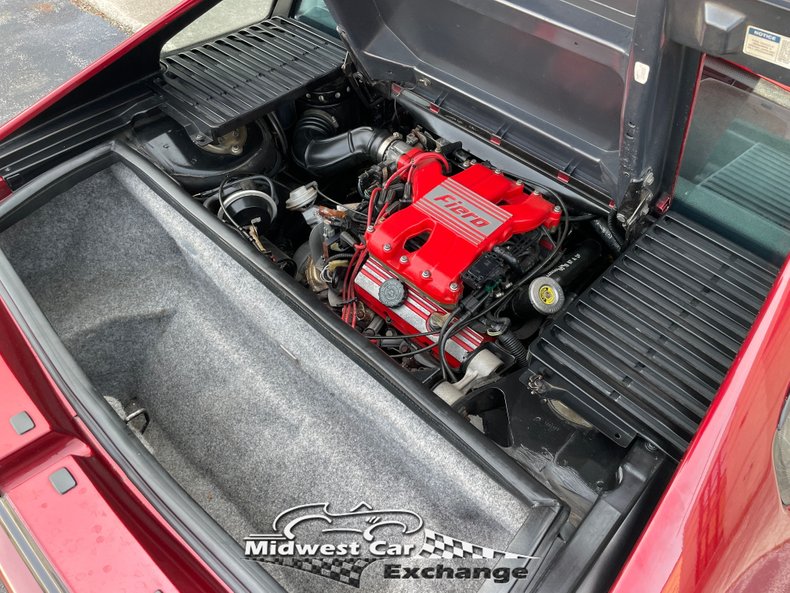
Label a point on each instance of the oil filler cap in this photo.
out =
(392, 293)
(546, 295)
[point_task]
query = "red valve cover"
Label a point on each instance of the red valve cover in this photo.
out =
(462, 216)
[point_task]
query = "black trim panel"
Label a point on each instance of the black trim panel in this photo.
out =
(644, 349)
(214, 87)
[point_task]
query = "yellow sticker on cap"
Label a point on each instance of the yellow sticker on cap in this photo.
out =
(547, 295)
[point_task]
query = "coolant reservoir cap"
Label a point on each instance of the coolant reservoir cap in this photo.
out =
(546, 295)
(392, 293)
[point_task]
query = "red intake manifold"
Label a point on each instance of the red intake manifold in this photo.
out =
(458, 218)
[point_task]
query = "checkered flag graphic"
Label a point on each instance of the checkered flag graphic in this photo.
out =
(343, 570)
(438, 545)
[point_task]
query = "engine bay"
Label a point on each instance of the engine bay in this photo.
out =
(443, 258)
(432, 253)
(580, 335)
(445, 262)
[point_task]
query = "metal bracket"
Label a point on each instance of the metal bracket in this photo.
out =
(136, 414)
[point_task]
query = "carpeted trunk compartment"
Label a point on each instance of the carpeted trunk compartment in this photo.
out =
(253, 411)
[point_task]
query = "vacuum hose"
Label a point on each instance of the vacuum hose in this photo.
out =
(606, 230)
(322, 153)
(512, 344)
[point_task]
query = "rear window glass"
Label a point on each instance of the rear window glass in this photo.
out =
(735, 172)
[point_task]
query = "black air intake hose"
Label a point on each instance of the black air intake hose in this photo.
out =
(320, 152)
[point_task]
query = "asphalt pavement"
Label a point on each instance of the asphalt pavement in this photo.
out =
(44, 43)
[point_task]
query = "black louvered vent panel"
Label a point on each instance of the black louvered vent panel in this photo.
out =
(643, 351)
(214, 87)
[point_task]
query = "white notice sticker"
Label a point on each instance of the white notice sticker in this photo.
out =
(767, 46)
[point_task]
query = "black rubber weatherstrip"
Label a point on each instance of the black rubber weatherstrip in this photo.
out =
(198, 529)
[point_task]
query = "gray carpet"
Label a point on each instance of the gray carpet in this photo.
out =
(253, 410)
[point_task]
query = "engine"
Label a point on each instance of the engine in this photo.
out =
(454, 237)
(437, 257)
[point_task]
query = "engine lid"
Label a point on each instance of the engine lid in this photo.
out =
(585, 90)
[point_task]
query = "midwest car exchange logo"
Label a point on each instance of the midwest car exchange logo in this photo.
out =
(340, 546)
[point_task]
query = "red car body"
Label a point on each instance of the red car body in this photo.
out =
(720, 526)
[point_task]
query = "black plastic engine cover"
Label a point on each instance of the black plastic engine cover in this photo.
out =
(645, 348)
